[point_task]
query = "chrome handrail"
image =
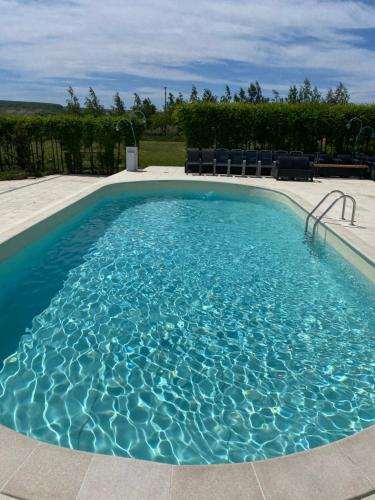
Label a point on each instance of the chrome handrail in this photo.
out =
(320, 203)
(343, 197)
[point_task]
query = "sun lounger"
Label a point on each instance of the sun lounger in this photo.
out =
(193, 161)
(251, 162)
(208, 162)
(222, 164)
(237, 163)
(266, 162)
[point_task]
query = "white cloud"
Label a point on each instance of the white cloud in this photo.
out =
(160, 38)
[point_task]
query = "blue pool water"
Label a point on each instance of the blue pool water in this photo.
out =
(185, 327)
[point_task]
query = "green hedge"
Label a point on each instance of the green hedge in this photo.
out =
(307, 127)
(64, 143)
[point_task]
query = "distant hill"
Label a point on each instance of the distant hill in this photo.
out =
(29, 108)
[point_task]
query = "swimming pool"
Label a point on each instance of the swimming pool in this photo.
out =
(185, 325)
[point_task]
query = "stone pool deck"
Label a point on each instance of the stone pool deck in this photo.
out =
(23, 203)
(33, 470)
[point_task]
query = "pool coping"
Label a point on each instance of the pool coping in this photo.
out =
(344, 469)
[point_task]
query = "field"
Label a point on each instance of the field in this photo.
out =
(29, 108)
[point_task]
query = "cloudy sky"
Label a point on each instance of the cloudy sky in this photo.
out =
(142, 45)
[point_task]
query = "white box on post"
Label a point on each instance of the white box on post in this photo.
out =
(132, 159)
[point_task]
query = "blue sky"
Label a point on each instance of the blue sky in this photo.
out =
(129, 46)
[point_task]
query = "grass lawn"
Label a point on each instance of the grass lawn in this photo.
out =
(163, 153)
(13, 174)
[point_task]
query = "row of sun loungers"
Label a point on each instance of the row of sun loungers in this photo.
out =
(280, 164)
(249, 162)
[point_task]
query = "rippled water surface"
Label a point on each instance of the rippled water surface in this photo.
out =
(186, 328)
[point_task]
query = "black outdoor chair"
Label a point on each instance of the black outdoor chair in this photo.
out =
(208, 161)
(193, 161)
(278, 153)
(251, 162)
(222, 161)
(370, 162)
(266, 162)
(237, 164)
(293, 167)
(345, 159)
(311, 156)
(323, 158)
(296, 153)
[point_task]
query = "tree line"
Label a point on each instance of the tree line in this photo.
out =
(306, 93)
(92, 105)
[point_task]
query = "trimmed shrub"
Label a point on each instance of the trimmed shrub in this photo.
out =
(307, 127)
(65, 143)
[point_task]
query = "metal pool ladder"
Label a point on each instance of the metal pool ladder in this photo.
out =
(342, 196)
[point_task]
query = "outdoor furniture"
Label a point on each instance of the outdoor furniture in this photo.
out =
(341, 170)
(370, 161)
(222, 163)
(265, 162)
(346, 159)
(251, 162)
(311, 156)
(296, 153)
(323, 158)
(193, 161)
(237, 163)
(278, 153)
(293, 167)
(208, 161)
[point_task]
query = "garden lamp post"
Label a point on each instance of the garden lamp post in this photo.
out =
(141, 113)
(131, 158)
(362, 128)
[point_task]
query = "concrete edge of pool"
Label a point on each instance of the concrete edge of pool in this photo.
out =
(30, 469)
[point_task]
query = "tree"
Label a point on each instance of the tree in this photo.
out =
(72, 103)
(259, 93)
(137, 104)
(305, 92)
(341, 94)
(242, 95)
(208, 96)
(316, 95)
(330, 97)
(255, 93)
(252, 93)
(194, 94)
(276, 95)
(148, 108)
(338, 96)
(92, 104)
(118, 107)
(235, 97)
(180, 98)
(292, 95)
(171, 103)
(227, 97)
